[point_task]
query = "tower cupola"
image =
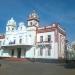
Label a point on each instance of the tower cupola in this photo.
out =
(33, 15)
(11, 22)
(11, 25)
(33, 19)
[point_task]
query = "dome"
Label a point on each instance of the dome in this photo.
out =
(11, 22)
(21, 23)
(21, 26)
(33, 15)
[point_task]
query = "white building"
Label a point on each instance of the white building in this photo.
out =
(1, 43)
(32, 40)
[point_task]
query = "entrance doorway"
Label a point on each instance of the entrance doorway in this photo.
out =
(18, 52)
(12, 52)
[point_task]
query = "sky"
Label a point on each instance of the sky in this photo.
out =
(49, 11)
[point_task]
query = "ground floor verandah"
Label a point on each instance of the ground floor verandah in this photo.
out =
(18, 51)
(30, 51)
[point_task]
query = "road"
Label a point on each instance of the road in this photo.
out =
(29, 68)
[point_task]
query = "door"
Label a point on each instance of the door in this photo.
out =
(12, 52)
(18, 52)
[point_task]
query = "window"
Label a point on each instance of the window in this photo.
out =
(14, 41)
(49, 51)
(20, 41)
(41, 51)
(21, 28)
(31, 23)
(12, 28)
(41, 38)
(49, 38)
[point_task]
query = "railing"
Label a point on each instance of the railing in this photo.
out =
(44, 43)
(15, 44)
(12, 42)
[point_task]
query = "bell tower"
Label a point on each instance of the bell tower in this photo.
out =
(33, 19)
(11, 25)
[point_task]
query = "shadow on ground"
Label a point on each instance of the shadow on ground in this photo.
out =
(69, 65)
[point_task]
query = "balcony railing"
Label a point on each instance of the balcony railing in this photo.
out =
(17, 44)
(12, 42)
(44, 43)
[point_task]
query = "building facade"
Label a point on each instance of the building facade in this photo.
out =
(2, 37)
(32, 40)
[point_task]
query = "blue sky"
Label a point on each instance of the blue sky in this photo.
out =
(61, 11)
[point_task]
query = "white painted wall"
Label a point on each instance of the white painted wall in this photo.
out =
(28, 36)
(30, 52)
(1, 52)
(61, 42)
(6, 53)
(54, 49)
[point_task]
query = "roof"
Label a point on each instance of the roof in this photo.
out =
(2, 36)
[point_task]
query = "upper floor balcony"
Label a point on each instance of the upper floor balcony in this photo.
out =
(14, 44)
(44, 43)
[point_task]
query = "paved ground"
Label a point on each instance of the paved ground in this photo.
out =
(29, 68)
